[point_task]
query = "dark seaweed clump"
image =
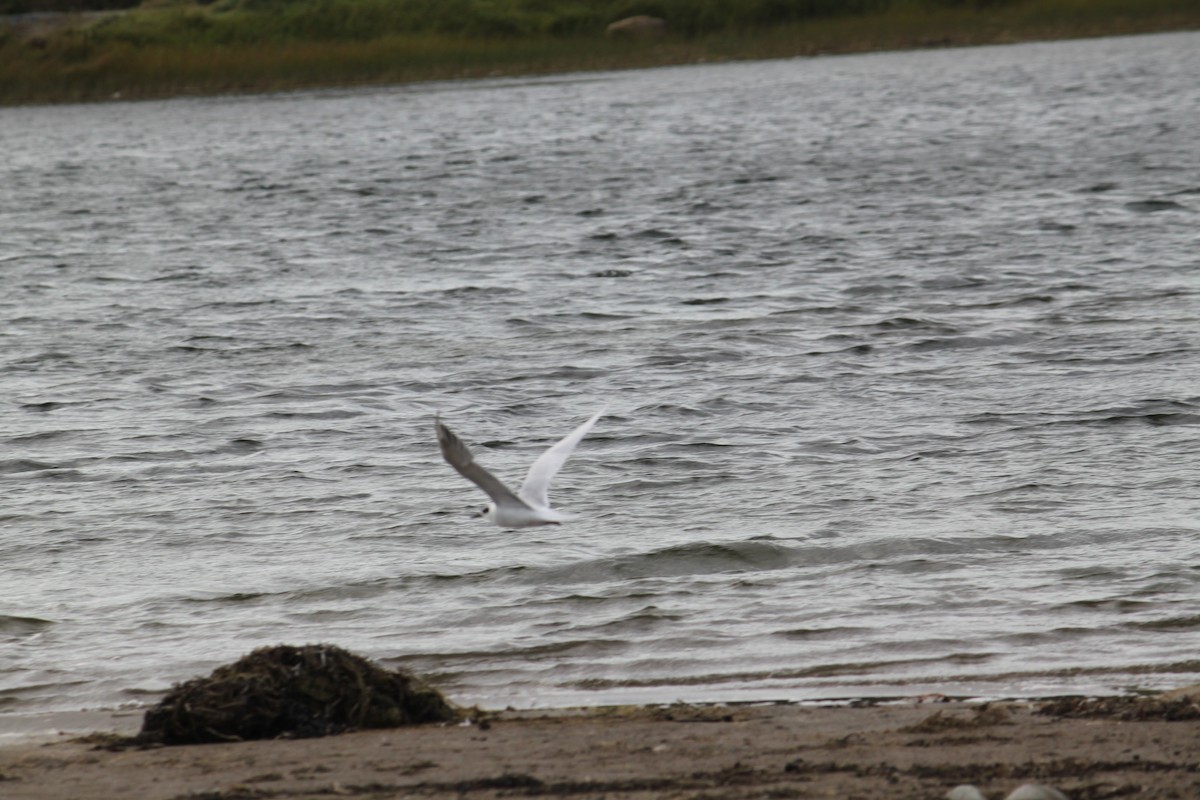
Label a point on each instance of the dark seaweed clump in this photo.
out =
(292, 692)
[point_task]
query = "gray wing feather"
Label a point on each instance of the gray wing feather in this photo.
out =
(458, 456)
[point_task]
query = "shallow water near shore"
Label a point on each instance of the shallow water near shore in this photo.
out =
(899, 353)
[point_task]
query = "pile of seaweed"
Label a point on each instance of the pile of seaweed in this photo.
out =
(292, 692)
(1169, 709)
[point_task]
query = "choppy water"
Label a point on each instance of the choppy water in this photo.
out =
(900, 353)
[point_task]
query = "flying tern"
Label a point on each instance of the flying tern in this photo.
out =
(531, 505)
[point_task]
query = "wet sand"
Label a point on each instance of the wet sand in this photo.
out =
(905, 750)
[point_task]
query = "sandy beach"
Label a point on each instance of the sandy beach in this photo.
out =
(918, 748)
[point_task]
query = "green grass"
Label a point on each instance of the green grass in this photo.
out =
(266, 45)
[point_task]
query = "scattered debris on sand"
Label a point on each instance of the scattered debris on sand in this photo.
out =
(985, 715)
(1166, 708)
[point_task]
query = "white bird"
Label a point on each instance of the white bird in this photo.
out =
(531, 505)
(1035, 791)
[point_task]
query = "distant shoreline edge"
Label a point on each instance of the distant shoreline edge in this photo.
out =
(36, 69)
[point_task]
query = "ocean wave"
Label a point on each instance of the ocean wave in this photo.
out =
(22, 626)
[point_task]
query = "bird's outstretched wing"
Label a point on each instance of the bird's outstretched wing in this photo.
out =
(458, 456)
(536, 489)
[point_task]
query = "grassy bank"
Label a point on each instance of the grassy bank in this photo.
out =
(265, 45)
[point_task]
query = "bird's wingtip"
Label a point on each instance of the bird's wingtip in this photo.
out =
(443, 433)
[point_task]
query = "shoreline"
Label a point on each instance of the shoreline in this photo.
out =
(43, 727)
(124, 719)
(909, 749)
(63, 61)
